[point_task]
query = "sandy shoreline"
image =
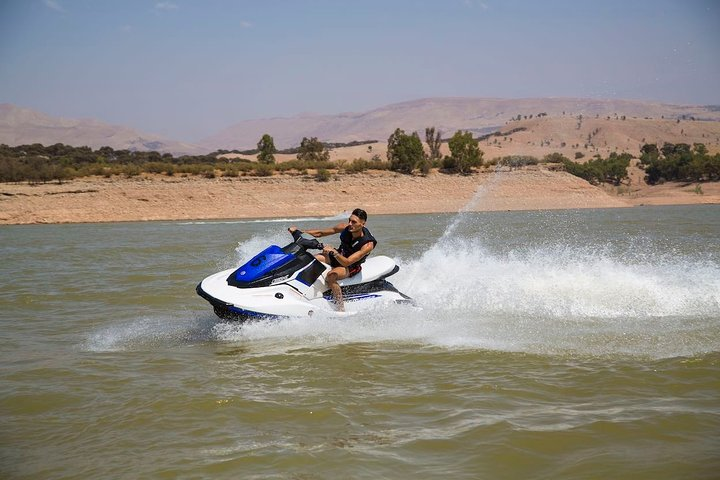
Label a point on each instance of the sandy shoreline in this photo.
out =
(379, 192)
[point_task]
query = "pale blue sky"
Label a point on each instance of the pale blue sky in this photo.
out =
(188, 68)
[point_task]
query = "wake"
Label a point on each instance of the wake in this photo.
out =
(553, 299)
(544, 300)
(567, 282)
(556, 299)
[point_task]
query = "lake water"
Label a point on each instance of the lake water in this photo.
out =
(565, 344)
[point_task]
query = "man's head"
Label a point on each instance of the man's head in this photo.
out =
(361, 214)
(357, 220)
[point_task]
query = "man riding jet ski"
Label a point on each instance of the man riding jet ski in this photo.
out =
(356, 243)
(289, 281)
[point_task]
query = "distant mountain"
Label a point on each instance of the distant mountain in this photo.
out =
(478, 115)
(21, 126)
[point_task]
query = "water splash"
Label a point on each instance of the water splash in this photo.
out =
(642, 298)
(557, 298)
(482, 191)
(563, 297)
(536, 300)
(461, 275)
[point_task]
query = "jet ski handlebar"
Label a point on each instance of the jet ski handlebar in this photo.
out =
(306, 243)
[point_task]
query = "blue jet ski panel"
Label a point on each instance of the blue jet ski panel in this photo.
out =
(263, 263)
(270, 264)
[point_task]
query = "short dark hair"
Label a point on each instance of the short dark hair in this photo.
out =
(360, 213)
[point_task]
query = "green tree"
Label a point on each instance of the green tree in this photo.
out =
(598, 170)
(267, 149)
(712, 167)
(464, 153)
(669, 149)
(434, 140)
(649, 153)
(615, 167)
(312, 150)
(674, 164)
(392, 144)
(404, 152)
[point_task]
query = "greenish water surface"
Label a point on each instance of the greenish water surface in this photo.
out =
(565, 344)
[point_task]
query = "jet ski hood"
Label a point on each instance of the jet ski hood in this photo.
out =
(261, 265)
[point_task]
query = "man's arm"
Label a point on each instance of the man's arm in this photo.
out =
(355, 257)
(324, 231)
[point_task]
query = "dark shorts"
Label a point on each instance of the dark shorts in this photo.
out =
(352, 270)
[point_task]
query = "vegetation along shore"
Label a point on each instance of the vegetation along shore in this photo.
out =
(405, 174)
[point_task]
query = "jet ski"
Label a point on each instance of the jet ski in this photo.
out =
(290, 282)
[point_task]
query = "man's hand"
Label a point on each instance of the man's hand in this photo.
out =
(292, 229)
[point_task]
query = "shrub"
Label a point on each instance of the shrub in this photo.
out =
(517, 161)
(424, 165)
(158, 167)
(131, 170)
(323, 175)
(231, 171)
(197, 169)
(377, 163)
(357, 166)
(301, 165)
(555, 157)
(263, 170)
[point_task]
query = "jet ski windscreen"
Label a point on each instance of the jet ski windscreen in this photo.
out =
(261, 264)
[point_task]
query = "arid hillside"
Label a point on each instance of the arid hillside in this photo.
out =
(564, 134)
(477, 115)
(597, 135)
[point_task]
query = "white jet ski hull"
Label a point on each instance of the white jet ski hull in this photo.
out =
(297, 292)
